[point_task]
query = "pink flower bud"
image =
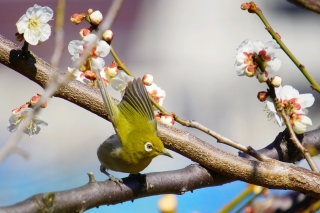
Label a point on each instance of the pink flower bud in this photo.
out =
(77, 18)
(245, 6)
(89, 74)
(262, 96)
(34, 100)
(95, 17)
(147, 79)
(262, 77)
(15, 111)
(26, 105)
(84, 32)
(276, 81)
(107, 36)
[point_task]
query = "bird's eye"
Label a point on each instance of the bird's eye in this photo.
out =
(148, 146)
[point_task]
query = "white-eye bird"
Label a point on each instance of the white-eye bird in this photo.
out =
(135, 143)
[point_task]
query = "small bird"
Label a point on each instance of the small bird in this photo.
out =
(135, 143)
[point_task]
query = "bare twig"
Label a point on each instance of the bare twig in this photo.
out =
(308, 4)
(59, 34)
(297, 143)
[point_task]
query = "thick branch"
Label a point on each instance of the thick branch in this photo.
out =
(313, 5)
(271, 174)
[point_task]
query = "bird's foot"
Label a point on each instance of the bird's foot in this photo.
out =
(118, 181)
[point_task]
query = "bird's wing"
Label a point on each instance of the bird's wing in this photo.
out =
(136, 105)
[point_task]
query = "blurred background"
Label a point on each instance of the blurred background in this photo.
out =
(189, 48)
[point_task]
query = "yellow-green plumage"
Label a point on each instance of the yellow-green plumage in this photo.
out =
(136, 142)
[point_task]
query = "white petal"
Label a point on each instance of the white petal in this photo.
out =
(273, 65)
(103, 48)
(75, 47)
(45, 32)
(97, 63)
(22, 24)
(259, 45)
(271, 106)
(45, 14)
(306, 100)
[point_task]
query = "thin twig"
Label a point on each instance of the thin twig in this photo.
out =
(59, 34)
(297, 143)
(254, 9)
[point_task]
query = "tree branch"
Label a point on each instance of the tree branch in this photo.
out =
(313, 5)
(227, 167)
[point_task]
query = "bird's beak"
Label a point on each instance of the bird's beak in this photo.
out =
(166, 153)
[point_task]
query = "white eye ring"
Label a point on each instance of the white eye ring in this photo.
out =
(148, 146)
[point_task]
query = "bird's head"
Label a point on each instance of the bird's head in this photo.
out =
(152, 147)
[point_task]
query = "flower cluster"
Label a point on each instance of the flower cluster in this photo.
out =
(257, 59)
(111, 74)
(17, 119)
(33, 25)
(294, 105)
(94, 63)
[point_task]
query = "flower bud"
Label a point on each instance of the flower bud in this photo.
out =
(279, 36)
(77, 18)
(276, 81)
(167, 119)
(111, 70)
(250, 71)
(262, 77)
(26, 105)
(90, 11)
(107, 36)
(95, 17)
(34, 100)
(15, 111)
(245, 6)
(262, 96)
(19, 37)
(90, 74)
(84, 32)
(147, 79)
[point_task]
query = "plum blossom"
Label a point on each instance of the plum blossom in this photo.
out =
(156, 93)
(294, 105)
(17, 120)
(120, 81)
(33, 25)
(101, 49)
(248, 51)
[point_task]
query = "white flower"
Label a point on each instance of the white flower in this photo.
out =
(120, 81)
(101, 49)
(248, 51)
(299, 122)
(34, 25)
(267, 54)
(157, 93)
(294, 104)
(245, 65)
(17, 120)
